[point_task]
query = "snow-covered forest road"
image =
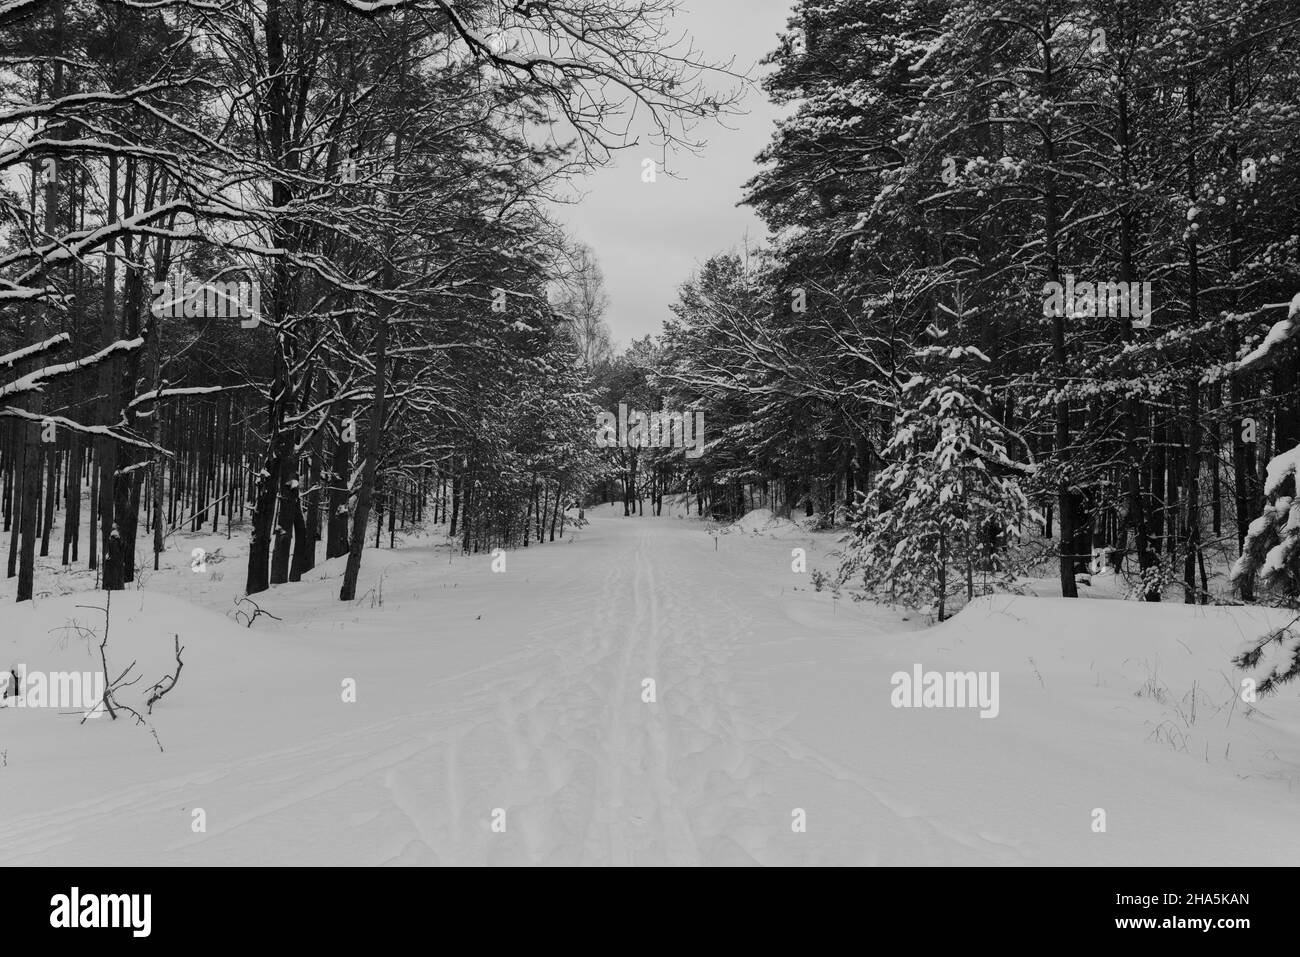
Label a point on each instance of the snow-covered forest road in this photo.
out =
(524, 691)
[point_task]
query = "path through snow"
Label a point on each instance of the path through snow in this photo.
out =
(523, 691)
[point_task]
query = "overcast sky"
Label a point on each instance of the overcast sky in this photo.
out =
(649, 237)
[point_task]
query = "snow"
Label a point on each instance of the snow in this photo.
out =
(1276, 560)
(35, 381)
(761, 521)
(1280, 332)
(523, 691)
(1280, 467)
(54, 341)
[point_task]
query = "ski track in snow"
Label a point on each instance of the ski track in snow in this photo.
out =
(554, 731)
(592, 774)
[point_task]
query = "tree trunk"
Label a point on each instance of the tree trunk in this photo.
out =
(373, 439)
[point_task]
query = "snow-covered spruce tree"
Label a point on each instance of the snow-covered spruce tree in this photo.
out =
(942, 512)
(1270, 551)
(1270, 559)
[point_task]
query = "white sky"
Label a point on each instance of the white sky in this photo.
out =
(649, 237)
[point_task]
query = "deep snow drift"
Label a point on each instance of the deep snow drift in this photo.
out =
(523, 692)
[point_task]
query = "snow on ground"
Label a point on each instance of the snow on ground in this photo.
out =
(523, 691)
(761, 521)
